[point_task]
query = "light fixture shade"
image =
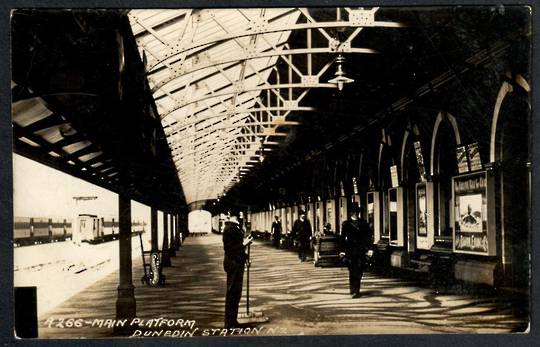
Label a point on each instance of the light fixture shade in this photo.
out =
(340, 78)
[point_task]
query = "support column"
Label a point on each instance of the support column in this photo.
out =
(154, 229)
(178, 233)
(125, 302)
(165, 257)
(172, 250)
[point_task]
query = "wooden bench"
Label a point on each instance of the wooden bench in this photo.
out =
(327, 250)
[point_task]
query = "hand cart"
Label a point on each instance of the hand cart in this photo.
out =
(153, 275)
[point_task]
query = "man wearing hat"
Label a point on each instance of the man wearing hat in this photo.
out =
(234, 245)
(302, 232)
(357, 237)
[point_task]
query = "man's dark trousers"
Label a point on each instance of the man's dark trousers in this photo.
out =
(356, 271)
(235, 276)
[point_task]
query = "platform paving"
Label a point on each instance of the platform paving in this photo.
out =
(298, 299)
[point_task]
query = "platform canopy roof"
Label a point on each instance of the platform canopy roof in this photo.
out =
(227, 81)
(180, 106)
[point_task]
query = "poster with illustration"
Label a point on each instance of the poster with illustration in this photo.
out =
(470, 213)
(422, 210)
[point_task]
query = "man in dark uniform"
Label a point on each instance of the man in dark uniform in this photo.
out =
(234, 245)
(357, 237)
(302, 232)
(276, 231)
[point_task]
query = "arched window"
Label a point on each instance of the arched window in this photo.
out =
(443, 168)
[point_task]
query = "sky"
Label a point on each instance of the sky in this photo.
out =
(40, 191)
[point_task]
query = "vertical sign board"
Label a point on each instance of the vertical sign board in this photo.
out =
(396, 220)
(330, 214)
(420, 160)
(474, 216)
(474, 157)
(461, 157)
(342, 201)
(394, 176)
(425, 215)
(374, 214)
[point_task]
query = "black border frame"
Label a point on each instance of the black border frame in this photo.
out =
(6, 187)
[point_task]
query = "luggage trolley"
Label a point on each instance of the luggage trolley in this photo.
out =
(153, 275)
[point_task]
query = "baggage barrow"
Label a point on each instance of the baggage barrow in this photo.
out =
(153, 275)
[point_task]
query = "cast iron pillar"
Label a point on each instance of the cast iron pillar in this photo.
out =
(125, 302)
(178, 233)
(172, 250)
(154, 229)
(165, 257)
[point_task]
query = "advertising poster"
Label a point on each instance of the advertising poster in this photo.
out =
(420, 160)
(461, 156)
(421, 212)
(474, 156)
(470, 213)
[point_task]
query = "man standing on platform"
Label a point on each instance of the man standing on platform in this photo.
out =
(276, 231)
(357, 237)
(302, 232)
(234, 245)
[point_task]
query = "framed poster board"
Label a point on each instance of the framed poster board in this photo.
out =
(425, 215)
(474, 227)
(421, 210)
(374, 214)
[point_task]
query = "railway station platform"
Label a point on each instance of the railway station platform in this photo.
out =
(298, 299)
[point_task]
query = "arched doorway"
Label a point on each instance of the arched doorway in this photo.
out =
(410, 178)
(512, 152)
(386, 160)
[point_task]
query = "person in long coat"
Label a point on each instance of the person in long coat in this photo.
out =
(234, 245)
(276, 231)
(302, 233)
(357, 237)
